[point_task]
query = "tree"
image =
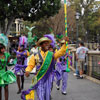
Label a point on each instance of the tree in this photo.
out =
(31, 10)
(88, 10)
(93, 25)
(57, 23)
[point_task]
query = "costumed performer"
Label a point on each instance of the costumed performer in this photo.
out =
(21, 64)
(52, 48)
(61, 68)
(6, 76)
(41, 80)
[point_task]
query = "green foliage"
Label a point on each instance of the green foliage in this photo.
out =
(30, 10)
(41, 27)
(93, 25)
(89, 21)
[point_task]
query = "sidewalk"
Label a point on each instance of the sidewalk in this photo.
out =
(78, 89)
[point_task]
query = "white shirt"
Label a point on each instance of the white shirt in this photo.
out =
(81, 52)
(34, 50)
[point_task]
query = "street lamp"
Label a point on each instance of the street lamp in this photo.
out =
(77, 18)
(86, 37)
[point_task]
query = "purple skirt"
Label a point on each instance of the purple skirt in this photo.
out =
(19, 69)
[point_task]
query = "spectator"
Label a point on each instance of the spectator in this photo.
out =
(80, 57)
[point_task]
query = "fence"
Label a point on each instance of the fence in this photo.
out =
(93, 63)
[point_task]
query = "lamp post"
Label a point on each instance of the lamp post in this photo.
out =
(98, 39)
(77, 18)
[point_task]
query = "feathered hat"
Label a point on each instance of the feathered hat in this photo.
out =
(23, 41)
(51, 37)
(3, 39)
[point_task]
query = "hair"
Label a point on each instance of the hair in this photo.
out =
(1, 46)
(81, 43)
(22, 46)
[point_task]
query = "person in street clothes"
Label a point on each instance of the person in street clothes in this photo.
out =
(80, 57)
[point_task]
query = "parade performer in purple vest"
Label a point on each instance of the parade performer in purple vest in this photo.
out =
(44, 61)
(61, 68)
(19, 68)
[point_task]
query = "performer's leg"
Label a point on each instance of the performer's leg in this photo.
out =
(6, 92)
(47, 87)
(0, 93)
(40, 91)
(64, 81)
(22, 79)
(58, 84)
(18, 83)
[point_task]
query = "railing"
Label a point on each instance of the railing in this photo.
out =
(93, 63)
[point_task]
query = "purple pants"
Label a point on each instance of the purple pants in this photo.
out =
(64, 79)
(44, 90)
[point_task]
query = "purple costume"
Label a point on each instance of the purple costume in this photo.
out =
(43, 87)
(19, 68)
(61, 68)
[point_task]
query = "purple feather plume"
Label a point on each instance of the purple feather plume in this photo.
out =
(51, 37)
(23, 41)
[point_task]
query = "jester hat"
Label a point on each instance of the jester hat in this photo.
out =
(3, 39)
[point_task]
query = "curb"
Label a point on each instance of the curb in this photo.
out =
(88, 77)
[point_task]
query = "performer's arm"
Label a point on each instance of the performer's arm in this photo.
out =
(28, 53)
(30, 66)
(60, 52)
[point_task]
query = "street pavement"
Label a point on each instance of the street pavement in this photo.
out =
(78, 89)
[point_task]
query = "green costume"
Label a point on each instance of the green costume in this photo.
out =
(6, 77)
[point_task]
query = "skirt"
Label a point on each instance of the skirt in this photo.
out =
(6, 77)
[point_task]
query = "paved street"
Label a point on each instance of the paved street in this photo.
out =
(78, 89)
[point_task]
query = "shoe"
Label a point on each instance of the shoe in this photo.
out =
(77, 76)
(64, 93)
(74, 74)
(80, 77)
(22, 87)
(57, 87)
(19, 92)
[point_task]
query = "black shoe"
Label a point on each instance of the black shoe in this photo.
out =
(22, 87)
(19, 92)
(80, 77)
(77, 75)
(64, 93)
(57, 87)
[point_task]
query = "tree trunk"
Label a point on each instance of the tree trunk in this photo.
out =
(10, 22)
